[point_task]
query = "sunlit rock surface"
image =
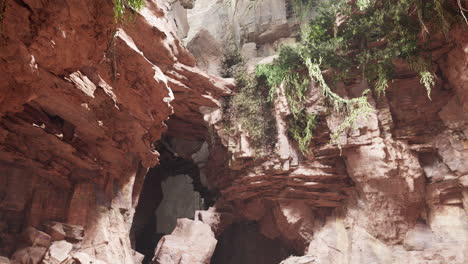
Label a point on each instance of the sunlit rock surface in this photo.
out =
(85, 102)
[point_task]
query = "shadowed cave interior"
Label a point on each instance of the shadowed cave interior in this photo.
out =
(173, 190)
(243, 243)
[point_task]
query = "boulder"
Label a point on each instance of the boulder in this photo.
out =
(191, 242)
(419, 238)
(29, 255)
(218, 221)
(81, 258)
(187, 4)
(62, 231)
(55, 230)
(35, 238)
(137, 256)
(58, 252)
(207, 50)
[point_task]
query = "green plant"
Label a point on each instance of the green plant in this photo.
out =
(360, 41)
(428, 80)
(230, 60)
(363, 4)
(422, 67)
(352, 108)
(289, 70)
(301, 129)
(121, 5)
(250, 108)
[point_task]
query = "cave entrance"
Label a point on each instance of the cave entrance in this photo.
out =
(171, 190)
(243, 243)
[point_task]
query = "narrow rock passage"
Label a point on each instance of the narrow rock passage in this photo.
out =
(168, 193)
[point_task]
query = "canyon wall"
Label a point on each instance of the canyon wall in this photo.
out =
(85, 100)
(395, 190)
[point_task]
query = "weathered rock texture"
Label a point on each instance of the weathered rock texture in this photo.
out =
(397, 191)
(83, 100)
(254, 29)
(190, 242)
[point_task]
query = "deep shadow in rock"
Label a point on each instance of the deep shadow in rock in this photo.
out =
(243, 243)
(170, 191)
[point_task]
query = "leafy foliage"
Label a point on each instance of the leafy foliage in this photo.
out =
(428, 80)
(250, 108)
(290, 71)
(418, 64)
(120, 7)
(363, 4)
(287, 68)
(231, 58)
(301, 130)
(357, 40)
(353, 108)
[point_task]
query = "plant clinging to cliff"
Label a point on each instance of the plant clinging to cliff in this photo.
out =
(357, 41)
(250, 108)
(301, 129)
(121, 5)
(290, 71)
(353, 108)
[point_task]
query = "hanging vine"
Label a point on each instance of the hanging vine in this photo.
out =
(357, 40)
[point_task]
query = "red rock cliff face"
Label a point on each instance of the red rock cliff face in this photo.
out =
(82, 102)
(397, 191)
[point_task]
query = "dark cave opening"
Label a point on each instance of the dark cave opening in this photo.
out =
(171, 190)
(243, 243)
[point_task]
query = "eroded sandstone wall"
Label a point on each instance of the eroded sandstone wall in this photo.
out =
(395, 193)
(83, 100)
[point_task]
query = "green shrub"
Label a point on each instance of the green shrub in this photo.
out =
(357, 40)
(121, 5)
(231, 60)
(249, 107)
(289, 70)
(301, 129)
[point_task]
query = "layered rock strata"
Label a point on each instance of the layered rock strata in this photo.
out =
(395, 193)
(83, 101)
